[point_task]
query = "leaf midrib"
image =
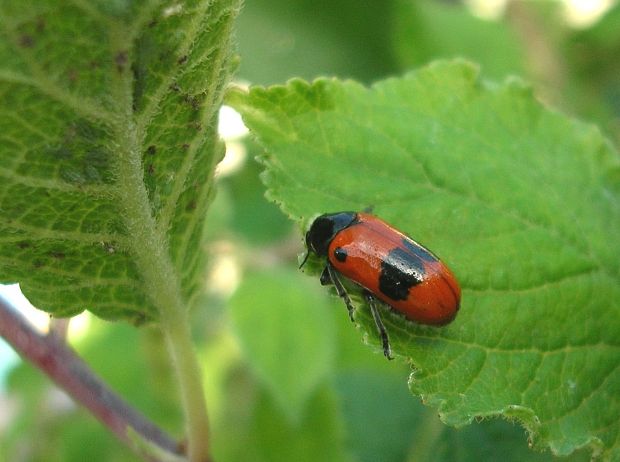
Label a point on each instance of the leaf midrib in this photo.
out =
(149, 248)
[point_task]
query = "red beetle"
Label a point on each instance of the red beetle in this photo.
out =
(388, 265)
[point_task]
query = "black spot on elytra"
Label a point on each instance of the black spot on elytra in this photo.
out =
(418, 250)
(399, 272)
(340, 254)
(191, 205)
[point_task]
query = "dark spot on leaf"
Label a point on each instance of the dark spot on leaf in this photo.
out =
(38, 263)
(70, 133)
(185, 146)
(26, 41)
(193, 101)
(108, 247)
(151, 150)
(174, 87)
(182, 59)
(152, 24)
(57, 255)
(161, 57)
(139, 319)
(150, 169)
(191, 205)
(121, 60)
(72, 74)
(23, 244)
(40, 24)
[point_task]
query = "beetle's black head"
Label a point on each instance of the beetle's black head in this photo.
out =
(324, 228)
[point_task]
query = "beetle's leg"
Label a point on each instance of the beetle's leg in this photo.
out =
(305, 259)
(330, 275)
(325, 277)
(372, 302)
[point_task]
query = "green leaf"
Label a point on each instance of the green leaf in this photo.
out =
(107, 150)
(517, 200)
(289, 344)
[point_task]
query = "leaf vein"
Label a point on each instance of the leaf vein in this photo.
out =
(96, 190)
(37, 233)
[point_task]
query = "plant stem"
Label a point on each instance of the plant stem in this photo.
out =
(147, 228)
(161, 282)
(151, 252)
(58, 361)
(178, 340)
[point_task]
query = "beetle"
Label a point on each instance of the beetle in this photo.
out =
(388, 265)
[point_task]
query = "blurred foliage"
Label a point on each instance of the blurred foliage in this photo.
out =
(593, 63)
(281, 39)
(254, 219)
(360, 409)
(420, 35)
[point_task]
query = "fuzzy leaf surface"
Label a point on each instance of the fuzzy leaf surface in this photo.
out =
(522, 203)
(107, 149)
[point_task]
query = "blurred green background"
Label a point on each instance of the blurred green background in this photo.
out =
(287, 376)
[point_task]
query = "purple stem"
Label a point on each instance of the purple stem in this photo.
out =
(58, 361)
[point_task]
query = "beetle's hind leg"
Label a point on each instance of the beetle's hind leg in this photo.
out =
(330, 276)
(372, 302)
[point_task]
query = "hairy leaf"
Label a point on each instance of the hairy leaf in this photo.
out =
(519, 201)
(107, 149)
